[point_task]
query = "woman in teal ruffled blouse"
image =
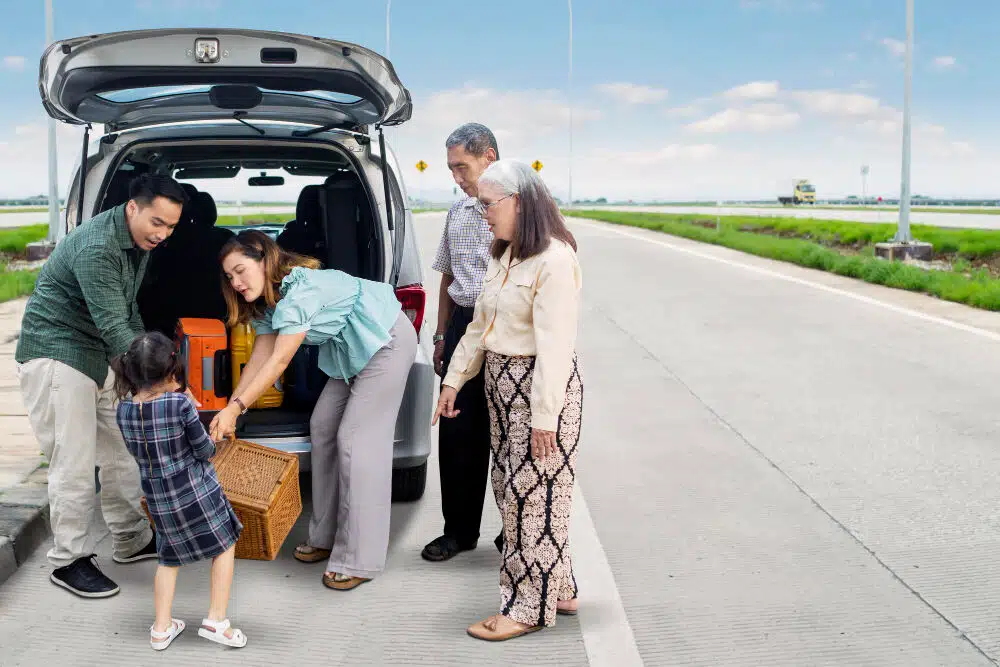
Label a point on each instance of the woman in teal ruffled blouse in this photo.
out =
(366, 347)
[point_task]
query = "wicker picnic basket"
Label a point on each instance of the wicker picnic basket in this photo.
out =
(262, 485)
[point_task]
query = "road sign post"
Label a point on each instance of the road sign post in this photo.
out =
(421, 167)
(537, 165)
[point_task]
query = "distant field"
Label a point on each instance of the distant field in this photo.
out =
(23, 209)
(251, 219)
(831, 207)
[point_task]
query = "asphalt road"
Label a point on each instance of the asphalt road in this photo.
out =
(778, 467)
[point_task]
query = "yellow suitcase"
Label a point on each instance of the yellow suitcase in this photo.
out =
(241, 338)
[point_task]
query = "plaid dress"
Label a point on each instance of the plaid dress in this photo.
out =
(194, 520)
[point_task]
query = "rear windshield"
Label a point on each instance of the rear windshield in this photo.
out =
(129, 95)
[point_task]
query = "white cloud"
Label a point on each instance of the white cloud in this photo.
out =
(755, 90)
(684, 111)
(863, 85)
(632, 93)
(733, 157)
(528, 124)
(942, 63)
(671, 153)
(13, 63)
(758, 118)
(514, 114)
(837, 103)
(895, 47)
(24, 157)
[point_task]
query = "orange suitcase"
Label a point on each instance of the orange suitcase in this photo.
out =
(205, 351)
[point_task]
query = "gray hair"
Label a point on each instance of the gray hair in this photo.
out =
(512, 177)
(539, 220)
(476, 139)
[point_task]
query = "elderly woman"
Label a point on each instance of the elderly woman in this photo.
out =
(524, 331)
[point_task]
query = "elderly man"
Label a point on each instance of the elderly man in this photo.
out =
(463, 442)
(82, 314)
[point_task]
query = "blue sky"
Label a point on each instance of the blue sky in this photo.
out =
(673, 99)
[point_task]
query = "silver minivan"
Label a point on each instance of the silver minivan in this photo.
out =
(210, 105)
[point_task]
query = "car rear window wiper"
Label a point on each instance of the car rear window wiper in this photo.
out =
(238, 116)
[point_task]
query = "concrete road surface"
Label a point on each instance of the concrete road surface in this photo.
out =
(778, 468)
(965, 220)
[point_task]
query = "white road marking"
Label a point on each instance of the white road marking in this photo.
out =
(909, 312)
(607, 635)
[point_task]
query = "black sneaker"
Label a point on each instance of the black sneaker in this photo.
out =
(146, 553)
(84, 578)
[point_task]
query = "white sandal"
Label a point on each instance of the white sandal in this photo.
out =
(216, 631)
(176, 627)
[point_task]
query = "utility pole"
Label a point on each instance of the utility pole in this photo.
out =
(903, 245)
(903, 234)
(55, 229)
(570, 203)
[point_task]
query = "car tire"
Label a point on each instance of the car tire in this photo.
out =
(408, 483)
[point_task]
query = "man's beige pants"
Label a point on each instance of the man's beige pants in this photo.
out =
(74, 422)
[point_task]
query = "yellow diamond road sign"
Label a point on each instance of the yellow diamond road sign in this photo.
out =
(421, 166)
(537, 165)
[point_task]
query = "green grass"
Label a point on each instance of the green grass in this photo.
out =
(969, 244)
(853, 207)
(15, 239)
(253, 219)
(979, 290)
(918, 209)
(15, 284)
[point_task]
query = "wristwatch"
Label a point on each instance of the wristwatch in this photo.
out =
(243, 408)
(438, 337)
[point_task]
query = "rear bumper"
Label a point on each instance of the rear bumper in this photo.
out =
(412, 439)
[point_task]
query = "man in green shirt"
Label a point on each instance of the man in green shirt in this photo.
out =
(82, 314)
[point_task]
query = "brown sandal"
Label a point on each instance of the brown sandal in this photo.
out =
(342, 582)
(487, 630)
(307, 554)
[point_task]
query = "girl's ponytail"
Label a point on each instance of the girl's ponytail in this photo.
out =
(125, 384)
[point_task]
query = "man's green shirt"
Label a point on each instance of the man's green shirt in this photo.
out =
(83, 311)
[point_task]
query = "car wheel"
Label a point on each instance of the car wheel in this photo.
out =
(408, 483)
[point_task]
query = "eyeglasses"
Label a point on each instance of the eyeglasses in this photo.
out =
(489, 206)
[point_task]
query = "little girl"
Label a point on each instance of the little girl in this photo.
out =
(192, 516)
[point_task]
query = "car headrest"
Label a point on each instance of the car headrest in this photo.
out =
(205, 211)
(307, 209)
(188, 212)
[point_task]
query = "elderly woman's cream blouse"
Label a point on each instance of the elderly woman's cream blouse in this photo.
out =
(527, 308)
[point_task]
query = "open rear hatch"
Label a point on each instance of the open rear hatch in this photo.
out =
(138, 78)
(130, 79)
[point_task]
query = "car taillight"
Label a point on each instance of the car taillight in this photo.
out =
(413, 298)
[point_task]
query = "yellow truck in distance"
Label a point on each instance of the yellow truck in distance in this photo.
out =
(803, 192)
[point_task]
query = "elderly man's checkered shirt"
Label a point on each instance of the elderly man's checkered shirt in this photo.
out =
(464, 251)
